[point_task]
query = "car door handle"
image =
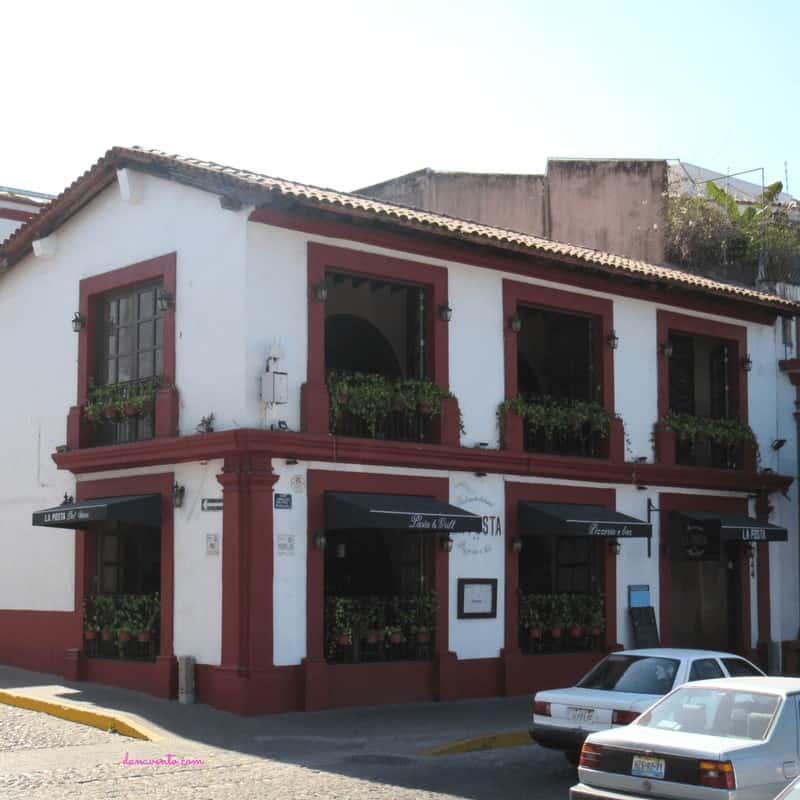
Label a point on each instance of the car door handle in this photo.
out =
(789, 770)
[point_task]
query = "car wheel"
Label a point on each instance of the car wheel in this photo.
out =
(573, 756)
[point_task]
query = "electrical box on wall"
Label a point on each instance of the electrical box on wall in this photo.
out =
(275, 387)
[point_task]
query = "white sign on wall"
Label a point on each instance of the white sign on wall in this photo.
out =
(212, 544)
(285, 544)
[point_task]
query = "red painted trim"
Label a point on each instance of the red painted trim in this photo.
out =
(517, 294)
(247, 562)
(163, 268)
(356, 262)
(203, 447)
(326, 686)
(559, 269)
(689, 502)
(554, 493)
(162, 484)
(16, 214)
(38, 640)
(695, 326)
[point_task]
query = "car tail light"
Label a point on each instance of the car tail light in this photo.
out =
(590, 756)
(623, 717)
(541, 708)
(718, 774)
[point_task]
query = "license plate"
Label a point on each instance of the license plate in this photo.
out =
(648, 767)
(580, 714)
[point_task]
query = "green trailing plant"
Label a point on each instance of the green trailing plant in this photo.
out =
(90, 617)
(553, 416)
(370, 397)
(120, 400)
(427, 606)
(728, 432)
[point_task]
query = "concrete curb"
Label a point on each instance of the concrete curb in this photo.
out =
(111, 723)
(492, 742)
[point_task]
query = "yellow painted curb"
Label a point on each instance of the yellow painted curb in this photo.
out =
(493, 742)
(83, 716)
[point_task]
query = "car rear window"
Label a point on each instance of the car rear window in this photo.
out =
(637, 674)
(739, 668)
(714, 712)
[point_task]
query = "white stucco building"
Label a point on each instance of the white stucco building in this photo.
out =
(326, 539)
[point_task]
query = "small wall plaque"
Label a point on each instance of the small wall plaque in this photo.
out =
(212, 544)
(285, 544)
(477, 598)
(283, 501)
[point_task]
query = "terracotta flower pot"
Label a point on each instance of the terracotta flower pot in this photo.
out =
(425, 408)
(535, 633)
(396, 638)
(372, 637)
(131, 410)
(144, 636)
(344, 640)
(555, 632)
(576, 631)
(106, 636)
(398, 404)
(124, 636)
(90, 415)
(596, 630)
(111, 412)
(90, 635)
(423, 637)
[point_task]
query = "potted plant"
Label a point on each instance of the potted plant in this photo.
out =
(534, 616)
(427, 607)
(573, 617)
(597, 616)
(394, 634)
(104, 610)
(556, 621)
(89, 619)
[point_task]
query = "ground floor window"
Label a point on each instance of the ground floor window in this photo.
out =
(122, 611)
(561, 584)
(380, 601)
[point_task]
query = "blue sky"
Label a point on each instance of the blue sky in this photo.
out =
(349, 93)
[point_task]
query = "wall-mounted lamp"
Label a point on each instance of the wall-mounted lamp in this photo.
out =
(516, 545)
(68, 498)
(320, 540)
(480, 474)
(446, 543)
(321, 291)
(641, 487)
(78, 322)
(290, 462)
(613, 339)
(164, 300)
(750, 555)
(666, 349)
(747, 363)
(445, 312)
(777, 444)
(614, 547)
(178, 492)
(515, 323)
(341, 550)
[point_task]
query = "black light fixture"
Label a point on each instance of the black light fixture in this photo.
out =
(515, 323)
(777, 444)
(446, 543)
(445, 312)
(320, 540)
(747, 362)
(480, 474)
(516, 545)
(613, 339)
(614, 547)
(341, 550)
(666, 349)
(68, 498)
(321, 291)
(164, 300)
(78, 322)
(178, 492)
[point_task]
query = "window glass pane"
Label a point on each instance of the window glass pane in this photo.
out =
(124, 369)
(110, 579)
(637, 674)
(704, 669)
(124, 341)
(146, 331)
(109, 547)
(159, 362)
(159, 331)
(111, 371)
(146, 364)
(111, 314)
(111, 344)
(126, 310)
(739, 668)
(147, 304)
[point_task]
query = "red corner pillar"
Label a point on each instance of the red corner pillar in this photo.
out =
(247, 567)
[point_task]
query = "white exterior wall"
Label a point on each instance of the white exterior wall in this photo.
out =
(38, 297)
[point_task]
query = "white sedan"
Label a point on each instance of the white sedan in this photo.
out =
(619, 688)
(729, 739)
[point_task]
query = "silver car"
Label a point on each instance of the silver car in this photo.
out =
(729, 739)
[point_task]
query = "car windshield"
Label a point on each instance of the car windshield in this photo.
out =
(637, 674)
(714, 712)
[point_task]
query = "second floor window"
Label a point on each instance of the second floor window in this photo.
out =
(700, 376)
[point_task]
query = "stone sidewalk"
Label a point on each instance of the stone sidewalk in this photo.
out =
(350, 753)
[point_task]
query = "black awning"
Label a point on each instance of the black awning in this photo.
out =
(143, 509)
(733, 527)
(561, 519)
(352, 510)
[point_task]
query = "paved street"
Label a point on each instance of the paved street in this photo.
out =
(349, 754)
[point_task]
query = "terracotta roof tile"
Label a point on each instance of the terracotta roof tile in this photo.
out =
(210, 176)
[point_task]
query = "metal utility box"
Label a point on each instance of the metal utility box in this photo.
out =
(275, 387)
